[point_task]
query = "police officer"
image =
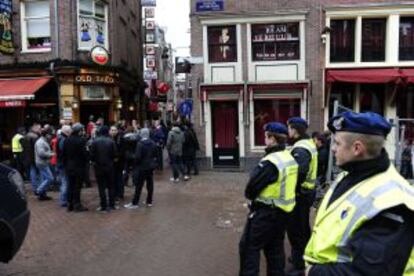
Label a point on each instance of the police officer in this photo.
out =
(365, 223)
(271, 189)
(17, 149)
(306, 155)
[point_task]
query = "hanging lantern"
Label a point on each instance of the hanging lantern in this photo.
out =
(163, 88)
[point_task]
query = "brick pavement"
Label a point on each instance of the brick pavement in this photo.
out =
(192, 229)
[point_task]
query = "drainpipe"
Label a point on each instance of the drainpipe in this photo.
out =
(57, 56)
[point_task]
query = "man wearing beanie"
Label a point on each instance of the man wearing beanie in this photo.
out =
(103, 153)
(145, 163)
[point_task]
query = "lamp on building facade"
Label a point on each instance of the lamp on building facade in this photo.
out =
(75, 103)
(118, 103)
(131, 108)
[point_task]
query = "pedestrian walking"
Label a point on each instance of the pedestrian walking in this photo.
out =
(305, 153)
(17, 150)
(118, 163)
(128, 145)
(158, 137)
(103, 154)
(271, 189)
(43, 154)
(145, 163)
(175, 143)
(365, 223)
(190, 149)
(74, 159)
(65, 132)
(29, 155)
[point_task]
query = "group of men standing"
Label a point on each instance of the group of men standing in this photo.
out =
(364, 225)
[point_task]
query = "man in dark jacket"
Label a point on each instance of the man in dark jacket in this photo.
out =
(28, 144)
(74, 158)
(145, 163)
(118, 163)
(190, 148)
(128, 145)
(65, 132)
(103, 153)
(158, 137)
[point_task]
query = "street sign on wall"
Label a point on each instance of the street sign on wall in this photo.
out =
(148, 3)
(209, 5)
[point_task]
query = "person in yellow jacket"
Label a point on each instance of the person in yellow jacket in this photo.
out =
(271, 189)
(365, 224)
(17, 150)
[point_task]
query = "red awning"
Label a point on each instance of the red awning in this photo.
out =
(408, 74)
(365, 75)
(279, 86)
(20, 89)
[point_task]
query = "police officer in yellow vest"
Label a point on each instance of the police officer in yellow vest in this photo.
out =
(271, 189)
(17, 150)
(365, 224)
(305, 153)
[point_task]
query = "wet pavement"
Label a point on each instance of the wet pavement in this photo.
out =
(193, 229)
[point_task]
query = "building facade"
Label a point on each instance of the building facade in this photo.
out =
(46, 67)
(269, 60)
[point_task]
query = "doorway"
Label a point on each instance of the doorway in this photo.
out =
(225, 133)
(96, 109)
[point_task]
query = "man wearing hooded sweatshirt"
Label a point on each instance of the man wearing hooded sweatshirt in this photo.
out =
(175, 143)
(145, 163)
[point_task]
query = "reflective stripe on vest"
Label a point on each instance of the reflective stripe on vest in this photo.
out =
(310, 146)
(335, 224)
(282, 192)
(16, 146)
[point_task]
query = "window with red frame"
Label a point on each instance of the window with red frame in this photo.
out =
(279, 110)
(342, 40)
(222, 44)
(344, 94)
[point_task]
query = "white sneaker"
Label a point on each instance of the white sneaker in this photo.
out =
(176, 180)
(172, 179)
(131, 206)
(186, 177)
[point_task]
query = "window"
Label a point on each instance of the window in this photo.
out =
(222, 44)
(372, 98)
(36, 26)
(344, 94)
(342, 44)
(275, 42)
(373, 39)
(406, 51)
(92, 24)
(279, 110)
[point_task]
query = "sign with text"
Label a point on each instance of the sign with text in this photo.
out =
(148, 3)
(209, 5)
(5, 104)
(94, 79)
(149, 12)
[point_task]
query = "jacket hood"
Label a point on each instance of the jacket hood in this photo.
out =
(176, 129)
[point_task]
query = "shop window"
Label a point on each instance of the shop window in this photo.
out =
(405, 102)
(275, 42)
(344, 94)
(92, 24)
(342, 40)
(372, 98)
(279, 110)
(373, 39)
(406, 46)
(222, 44)
(35, 26)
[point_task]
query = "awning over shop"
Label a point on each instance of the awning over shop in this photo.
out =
(20, 89)
(374, 75)
(408, 74)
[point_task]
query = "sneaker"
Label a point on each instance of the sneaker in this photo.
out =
(186, 177)
(172, 179)
(116, 207)
(149, 204)
(131, 206)
(80, 209)
(176, 180)
(101, 210)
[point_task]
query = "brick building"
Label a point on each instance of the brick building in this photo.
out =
(46, 70)
(269, 60)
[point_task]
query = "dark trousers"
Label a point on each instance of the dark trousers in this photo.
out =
(177, 165)
(190, 163)
(299, 230)
(86, 176)
(127, 170)
(160, 157)
(141, 176)
(264, 230)
(18, 163)
(105, 180)
(74, 190)
(119, 182)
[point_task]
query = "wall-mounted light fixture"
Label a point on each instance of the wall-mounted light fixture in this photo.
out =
(131, 108)
(75, 103)
(327, 30)
(118, 103)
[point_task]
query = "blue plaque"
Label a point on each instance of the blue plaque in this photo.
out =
(209, 5)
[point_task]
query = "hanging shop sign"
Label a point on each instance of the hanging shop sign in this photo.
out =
(209, 5)
(150, 75)
(6, 39)
(150, 61)
(148, 3)
(100, 55)
(150, 25)
(149, 12)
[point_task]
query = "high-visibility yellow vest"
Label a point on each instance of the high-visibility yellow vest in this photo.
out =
(310, 146)
(282, 192)
(16, 146)
(335, 224)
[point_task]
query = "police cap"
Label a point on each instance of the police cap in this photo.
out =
(297, 121)
(276, 127)
(365, 123)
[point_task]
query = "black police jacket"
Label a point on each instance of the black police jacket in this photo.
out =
(14, 215)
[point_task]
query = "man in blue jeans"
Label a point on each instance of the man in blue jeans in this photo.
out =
(64, 133)
(43, 153)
